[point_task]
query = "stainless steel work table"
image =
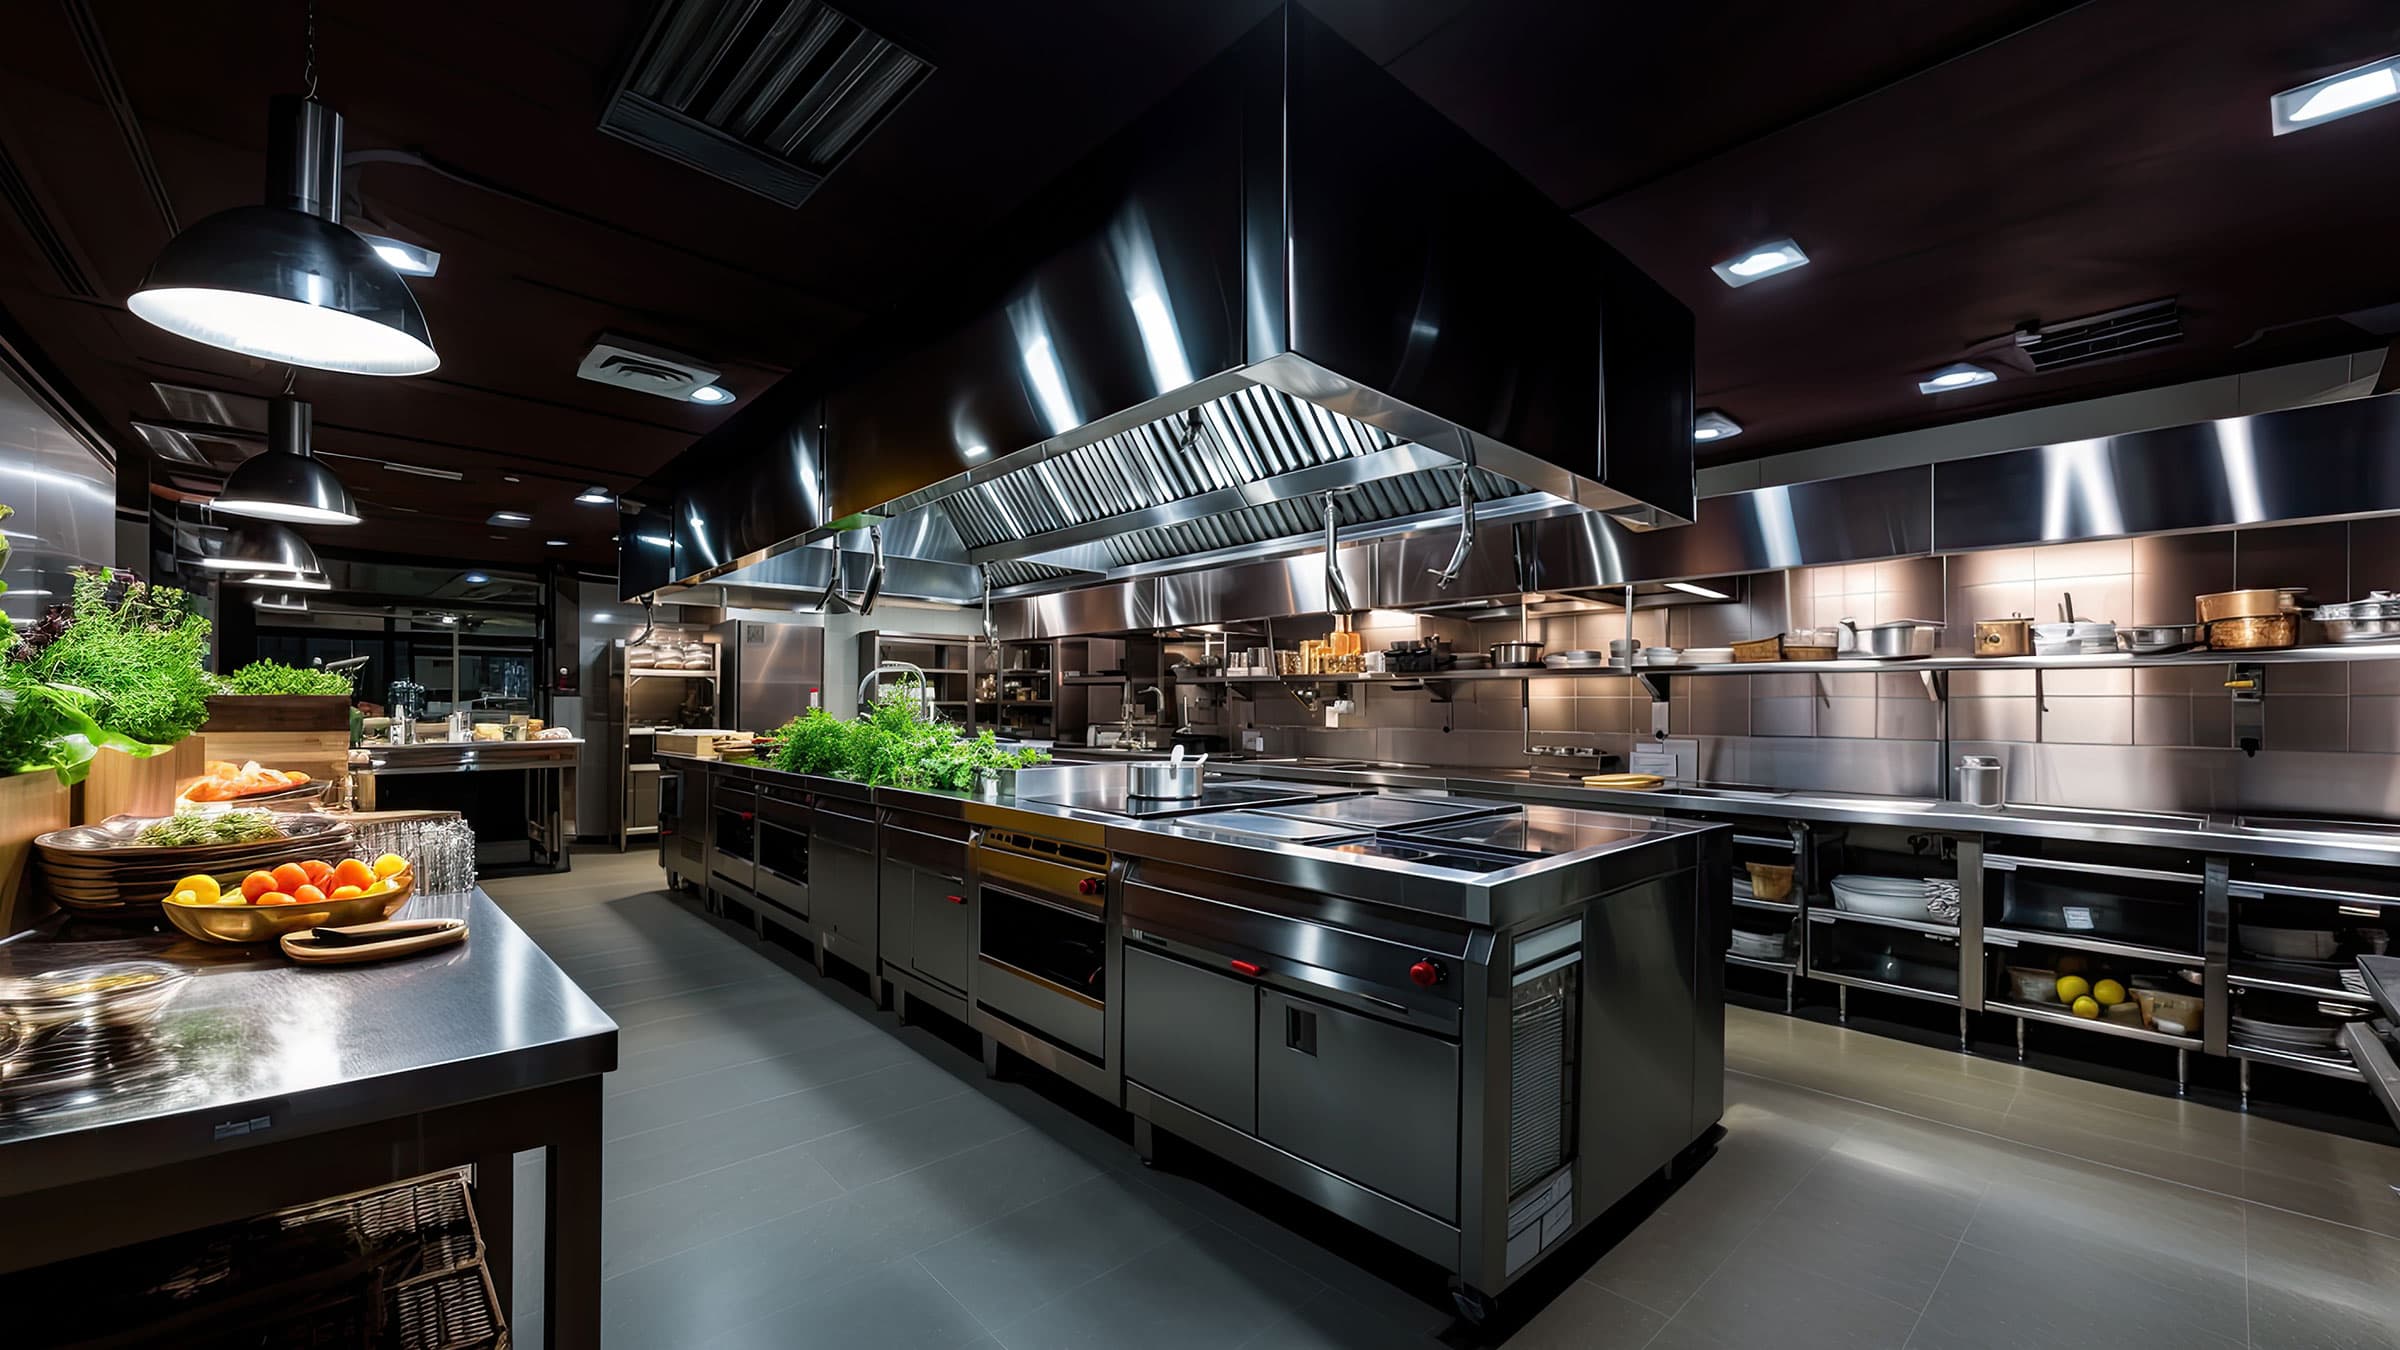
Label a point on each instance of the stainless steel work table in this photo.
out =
(548, 765)
(267, 1084)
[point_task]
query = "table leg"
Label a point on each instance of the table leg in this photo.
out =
(495, 1216)
(571, 1264)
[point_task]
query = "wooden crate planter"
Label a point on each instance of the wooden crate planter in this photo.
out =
(31, 804)
(124, 785)
(305, 732)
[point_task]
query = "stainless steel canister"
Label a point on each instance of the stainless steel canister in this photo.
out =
(1980, 781)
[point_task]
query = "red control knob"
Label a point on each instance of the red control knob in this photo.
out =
(1088, 886)
(1427, 974)
(1245, 967)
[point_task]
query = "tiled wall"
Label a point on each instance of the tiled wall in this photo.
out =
(2157, 737)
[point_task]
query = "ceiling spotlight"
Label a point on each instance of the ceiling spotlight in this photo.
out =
(476, 578)
(287, 483)
(513, 519)
(285, 281)
(595, 495)
(711, 393)
(2335, 96)
(1764, 261)
(555, 543)
(285, 581)
(976, 451)
(262, 546)
(1960, 376)
(411, 260)
(1714, 426)
(1694, 588)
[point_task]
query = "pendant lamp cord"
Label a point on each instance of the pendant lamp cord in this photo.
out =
(308, 69)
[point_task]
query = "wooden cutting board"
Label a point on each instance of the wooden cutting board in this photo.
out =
(407, 936)
(1625, 782)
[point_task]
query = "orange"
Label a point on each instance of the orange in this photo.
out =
(352, 872)
(290, 877)
(309, 895)
(257, 884)
(347, 892)
(277, 898)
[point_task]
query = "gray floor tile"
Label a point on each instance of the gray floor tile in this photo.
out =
(789, 1033)
(894, 1307)
(1180, 1294)
(659, 1222)
(739, 1278)
(2155, 1242)
(2065, 1293)
(680, 1031)
(634, 1163)
(1025, 1258)
(1665, 1260)
(733, 999)
(864, 1051)
(1327, 1320)
(1761, 1298)
(1585, 1316)
(2318, 1286)
(865, 1154)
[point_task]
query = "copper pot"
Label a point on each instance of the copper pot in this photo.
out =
(2256, 602)
(2255, 632)
(2012, 636)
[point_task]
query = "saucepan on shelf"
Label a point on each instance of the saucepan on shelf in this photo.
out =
(1889, 641)
(2158, 639)
(2374, 619)
(1515, 655)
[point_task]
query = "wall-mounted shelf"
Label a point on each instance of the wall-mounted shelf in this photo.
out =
(1945, 931)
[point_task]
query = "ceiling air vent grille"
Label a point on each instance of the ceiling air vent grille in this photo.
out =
(768, 95)
(2102, 337)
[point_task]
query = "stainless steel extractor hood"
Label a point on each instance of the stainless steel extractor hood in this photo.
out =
(1290, 276)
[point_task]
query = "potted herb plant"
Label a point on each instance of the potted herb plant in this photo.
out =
(107, 690)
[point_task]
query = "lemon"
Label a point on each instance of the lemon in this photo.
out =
(2072, 987)
(187, 898)
(390, 864)
(203, 888)
(2084, 1007)
(2109, 992)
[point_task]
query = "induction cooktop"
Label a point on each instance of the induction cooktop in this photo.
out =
(1385, 811)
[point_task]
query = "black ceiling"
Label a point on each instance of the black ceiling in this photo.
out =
(1952, 170)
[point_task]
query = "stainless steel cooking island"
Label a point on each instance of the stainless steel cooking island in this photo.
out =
(1388, 1003)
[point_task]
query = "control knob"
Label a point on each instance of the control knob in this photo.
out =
(1426, 973)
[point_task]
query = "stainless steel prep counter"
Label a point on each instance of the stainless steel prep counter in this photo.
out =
(549, 767)
(267, 1084)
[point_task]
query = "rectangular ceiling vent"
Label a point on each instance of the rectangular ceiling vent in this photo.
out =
(769, 95)
(643, 368)
(2101, 337)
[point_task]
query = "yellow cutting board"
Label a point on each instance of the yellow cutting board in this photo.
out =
(1625, 782)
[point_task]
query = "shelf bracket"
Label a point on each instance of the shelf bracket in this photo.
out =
(1658, 684)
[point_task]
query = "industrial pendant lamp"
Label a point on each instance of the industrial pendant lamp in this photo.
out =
(262, 546)
(285, 281)
(287, 483)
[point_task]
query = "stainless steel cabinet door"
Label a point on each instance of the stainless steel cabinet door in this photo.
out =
(893, 889)
(1192, 1035)
(1374, 1102)
(841, 900)
(938, 936)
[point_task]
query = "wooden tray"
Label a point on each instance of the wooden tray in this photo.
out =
(408, 937)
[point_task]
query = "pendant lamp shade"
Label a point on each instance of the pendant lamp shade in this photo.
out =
(286, 281)
(262, 546)
(288, 482)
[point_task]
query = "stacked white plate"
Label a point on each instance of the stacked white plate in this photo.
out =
(1883, 897)
(1760, 946)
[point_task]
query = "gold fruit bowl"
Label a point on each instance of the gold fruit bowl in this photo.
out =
(267, 923)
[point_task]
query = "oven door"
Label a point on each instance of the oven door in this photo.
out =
(783, 823)
(733, 836)
(1042, 964)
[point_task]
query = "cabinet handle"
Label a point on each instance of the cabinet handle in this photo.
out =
(1245, 967)
(1300, 1030)
(955, 899)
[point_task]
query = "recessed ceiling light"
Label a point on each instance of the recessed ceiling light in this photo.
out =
(556, 543)
(1960, 376)
(595, 495)
(510, 478)
(1764, 261)
(976, 451)
(514, 519)
(476, 578)
(2336, 96)
(409, 260)
(711, 393)
(1714, 426)
(1693, 588)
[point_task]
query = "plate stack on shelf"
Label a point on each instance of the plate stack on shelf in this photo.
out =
(1925, 901)
(1768, 946)
(101, 868)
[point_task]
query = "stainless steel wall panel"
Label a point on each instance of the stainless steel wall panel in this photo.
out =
(2315, 556)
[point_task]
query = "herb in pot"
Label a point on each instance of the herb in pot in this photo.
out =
(274, 677)
(139, 650)
(894, 745)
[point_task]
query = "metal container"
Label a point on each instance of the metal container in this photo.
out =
(2256, 602)
(2012, 636)
(2374, 619)
(1898, 638)
(1515, 655)
(2156, 639)
(1165, 779)
(1981, 781)
(2255, 633)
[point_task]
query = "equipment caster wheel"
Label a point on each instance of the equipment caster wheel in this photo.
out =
(1474, 1306)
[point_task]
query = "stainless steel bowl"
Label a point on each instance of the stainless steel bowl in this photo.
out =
(2374, 619)
(2158, 638)
(1514, 654)
(1165, 780)
(1888, 641)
